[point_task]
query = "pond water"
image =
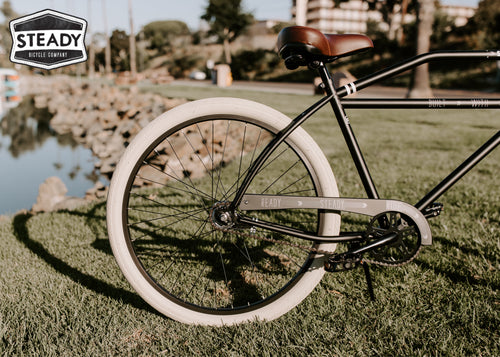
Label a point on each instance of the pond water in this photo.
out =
(31, 152)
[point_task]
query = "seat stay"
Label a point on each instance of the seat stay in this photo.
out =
(273, 144)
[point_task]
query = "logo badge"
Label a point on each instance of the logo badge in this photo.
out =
(48, 39)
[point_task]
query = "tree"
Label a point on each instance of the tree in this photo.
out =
(388, 9)
(485, 24)
(163, 33)
(5, 38)
(227, 21)
(119, 43)
(420, 86)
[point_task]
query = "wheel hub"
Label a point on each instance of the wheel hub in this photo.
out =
(221, 217)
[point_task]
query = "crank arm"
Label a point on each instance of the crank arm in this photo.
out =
(368, 207)
(385, 240)
(350, 259)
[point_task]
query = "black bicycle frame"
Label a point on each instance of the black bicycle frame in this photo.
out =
(333, 96)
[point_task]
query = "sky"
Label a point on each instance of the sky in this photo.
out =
(146, 11)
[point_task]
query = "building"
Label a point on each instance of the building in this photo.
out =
(349, 17)
(353, 16)
(461, 14)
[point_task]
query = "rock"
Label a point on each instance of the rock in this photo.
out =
(52, 197)
(78, 131)
(41, 101)
(51, 192)
(70, 203)
(98, 191)
(128, 129)
(107, 167)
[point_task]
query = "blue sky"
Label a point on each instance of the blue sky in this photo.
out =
(146, 11)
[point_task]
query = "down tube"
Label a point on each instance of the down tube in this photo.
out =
(459, 172)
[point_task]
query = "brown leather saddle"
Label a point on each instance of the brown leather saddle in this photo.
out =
(301, 45)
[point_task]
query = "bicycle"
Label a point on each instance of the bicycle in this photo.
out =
(224, 210)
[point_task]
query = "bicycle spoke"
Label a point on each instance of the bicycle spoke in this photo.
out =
(159, 229)
(175, 188)
(187, 215)
(304, 177)
(219, 182)
(183, 169)
(196, 153)
(280, 176)
(241, 157)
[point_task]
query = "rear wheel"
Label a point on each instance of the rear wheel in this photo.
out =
(169, 230)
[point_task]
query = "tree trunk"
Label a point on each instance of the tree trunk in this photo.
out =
(401, 33)
(226, 46)
(227, 51)
(91, 62)
(133, 64)
(91, 57)
(107, 50)
(420, 87)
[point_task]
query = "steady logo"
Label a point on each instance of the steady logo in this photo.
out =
(48, 39)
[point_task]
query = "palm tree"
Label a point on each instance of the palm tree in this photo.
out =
(133, 65)
(227, 20)
(91, 72)
(420, 86)
(107, 49)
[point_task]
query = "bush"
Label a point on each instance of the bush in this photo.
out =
(254, 65)
(181, 65)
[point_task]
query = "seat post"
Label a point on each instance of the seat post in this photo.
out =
(326, 78)
(346, 129)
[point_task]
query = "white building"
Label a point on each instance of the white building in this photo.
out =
(461, 14)
(352, 16)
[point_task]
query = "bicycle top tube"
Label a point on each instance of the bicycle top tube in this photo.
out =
(428, 103)
(412, 63)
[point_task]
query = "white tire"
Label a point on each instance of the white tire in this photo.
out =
(175, 258)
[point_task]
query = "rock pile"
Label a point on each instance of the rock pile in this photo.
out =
(105, 119)
(102, 118)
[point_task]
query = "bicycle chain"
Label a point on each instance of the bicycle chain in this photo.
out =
(310, 249)
(409, 260)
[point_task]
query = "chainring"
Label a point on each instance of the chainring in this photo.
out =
(404, 249)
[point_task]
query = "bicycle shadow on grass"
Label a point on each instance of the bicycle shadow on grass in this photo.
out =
(199, 250)
(22, 234)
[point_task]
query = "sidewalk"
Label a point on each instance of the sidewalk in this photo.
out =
(376, 91)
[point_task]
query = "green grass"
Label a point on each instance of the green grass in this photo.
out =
(61, 292)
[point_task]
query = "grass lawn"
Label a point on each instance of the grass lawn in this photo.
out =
(61, 292)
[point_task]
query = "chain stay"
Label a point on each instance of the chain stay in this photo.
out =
(312, 250)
